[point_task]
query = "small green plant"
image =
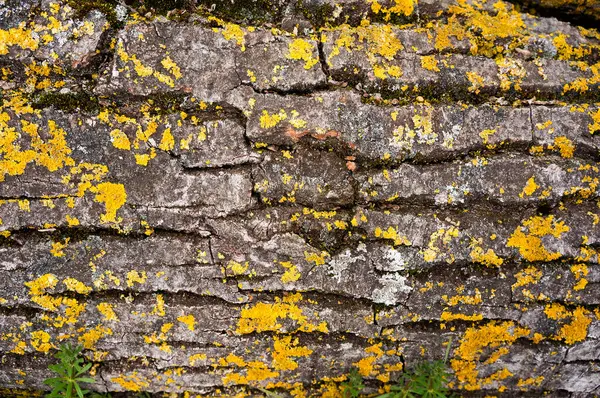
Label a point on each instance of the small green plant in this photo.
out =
(71, 371)
(354, 385)
(426, 380)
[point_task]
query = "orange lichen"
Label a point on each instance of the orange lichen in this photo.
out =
(580, 271)
(497, 336)
(265, 316)
(113, 196)
(90, 337)
(564, 146)
(132, 382)
(40, 340)
(18, 36)
(488, 258)
(530, 188)
(575, 331)
(530, 244)
(284, 349)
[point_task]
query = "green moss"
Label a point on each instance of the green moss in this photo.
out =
(165, 103)
(248, 12)
(107, 7)
(66, 102)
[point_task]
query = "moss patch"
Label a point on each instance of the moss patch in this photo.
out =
(66, 102)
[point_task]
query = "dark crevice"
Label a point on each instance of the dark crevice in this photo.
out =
(568, 11)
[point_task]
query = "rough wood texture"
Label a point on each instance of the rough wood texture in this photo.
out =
(267, 194)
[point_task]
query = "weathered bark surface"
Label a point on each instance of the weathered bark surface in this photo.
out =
(210, 207)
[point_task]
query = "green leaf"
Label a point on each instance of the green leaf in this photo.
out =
(79, 392)
(85, 380)
(268, 393)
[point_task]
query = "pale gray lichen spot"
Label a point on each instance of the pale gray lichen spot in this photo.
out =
(397, 262)
(121, 13)
(339, 264)
(392, 285)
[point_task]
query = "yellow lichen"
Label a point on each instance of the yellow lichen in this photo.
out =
(237, 268)
(195, 358)
(429, 62)
(485, 135)
(74, 285)
(488, 258)
(39, 286)
(449, 316)
(528, 276)
(135, 277)
(268, 121)
(236, 33)
(300, 49)
(594, 127)
(159, 308)
(291, 274)
(172, 67)
(564, 146)
(530, 188)
(90, 337)
(392, 233)
(18, 36)
(188, 320)
(120, 140)
(400, 7)
(113, 196)
(58, 247)
(477, 83)
(107, 311)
